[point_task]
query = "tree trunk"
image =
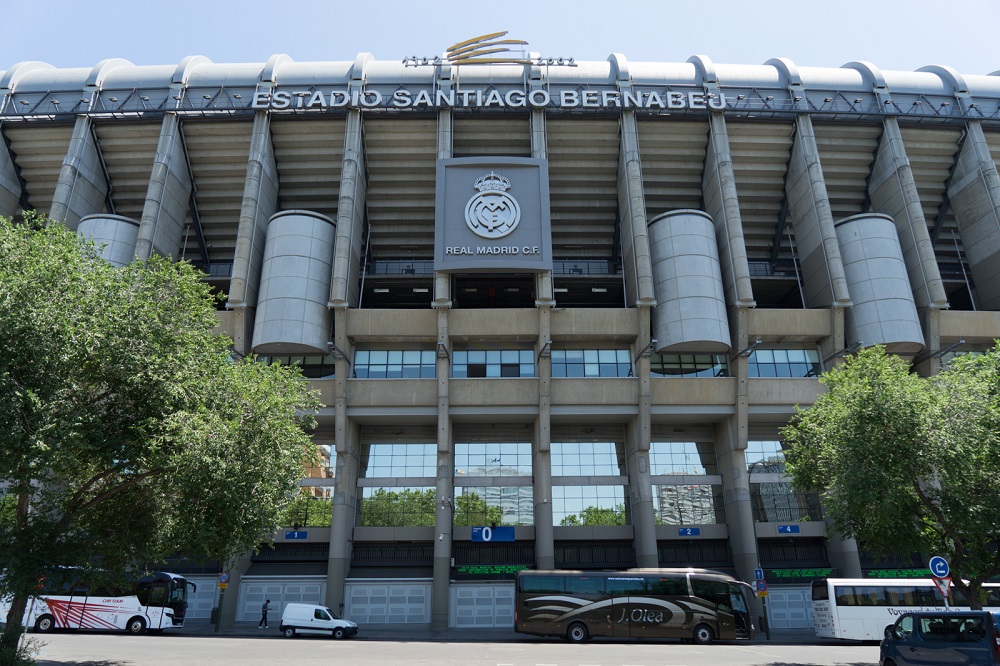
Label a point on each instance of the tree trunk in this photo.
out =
(12, 632)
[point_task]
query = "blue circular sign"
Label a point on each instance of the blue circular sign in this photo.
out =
(939, 566)
(223, 577)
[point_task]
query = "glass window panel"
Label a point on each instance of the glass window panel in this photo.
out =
(395, 356)
(493, 356)
(763, 356)
(591, 356)
(379, 357)
(460, 357)
(796, 355)
(492, 370)
(606, 356)
(574, 356)
(361, 357)
(509, 356)
(527, 370)
(526, 356)
(477, 356)
(780, 355)
(412, 356)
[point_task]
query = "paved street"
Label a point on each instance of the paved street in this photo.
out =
(253, 649)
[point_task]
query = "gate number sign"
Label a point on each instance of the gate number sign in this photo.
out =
(490, 534)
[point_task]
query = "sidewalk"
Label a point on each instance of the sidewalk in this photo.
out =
(423, 633)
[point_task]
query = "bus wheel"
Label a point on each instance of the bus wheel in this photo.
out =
(577, 633)
(703, 634)
(136, 625)
(43, 625)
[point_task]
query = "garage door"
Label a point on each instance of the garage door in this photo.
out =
(388, 603)
(281, 591)
(204, 599)
(790, 608)
(482, 605)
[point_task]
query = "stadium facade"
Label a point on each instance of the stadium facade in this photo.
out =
(583, 295)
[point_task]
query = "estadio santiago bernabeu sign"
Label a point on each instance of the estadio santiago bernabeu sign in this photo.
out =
(492, 215)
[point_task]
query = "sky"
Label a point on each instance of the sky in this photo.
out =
(892, 34)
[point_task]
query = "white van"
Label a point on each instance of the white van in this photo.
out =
(312, 619)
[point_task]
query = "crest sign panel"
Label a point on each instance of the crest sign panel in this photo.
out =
(492, 214)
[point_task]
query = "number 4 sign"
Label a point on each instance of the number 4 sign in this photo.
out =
(943, 584)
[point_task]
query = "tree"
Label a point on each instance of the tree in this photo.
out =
(128, 430)
(471, 509)
(593, 515)
(906, 463)
(399, 508)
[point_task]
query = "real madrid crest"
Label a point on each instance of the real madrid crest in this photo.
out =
(492, 213)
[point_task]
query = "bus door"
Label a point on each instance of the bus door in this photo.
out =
(654, 611)
(719, 614)
(630, 615)
(76, 609)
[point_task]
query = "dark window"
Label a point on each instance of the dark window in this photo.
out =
(667, 586)
(542, 584)
(625, 586)
(584, 585)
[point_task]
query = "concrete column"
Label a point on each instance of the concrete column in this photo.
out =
(543, 281)
(347, 445)
(637, 436)
(168, 196)
(442, 281)
(444, 515)
(82, 187)
(229, 604)
(260, 202)
(541, 459)
(719, 191)
(632, 204)
(809, 212)
(10, 184)
(893, 192)
(345, 289)
(731, 436)
(974, 192)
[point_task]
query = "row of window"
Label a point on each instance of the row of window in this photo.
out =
(578, 363)
(388, 460)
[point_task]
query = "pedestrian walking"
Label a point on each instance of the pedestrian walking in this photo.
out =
(264, 607)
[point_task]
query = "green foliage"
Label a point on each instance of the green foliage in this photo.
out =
(471, 509)
(907, 463)
(21, 654)
(308, 510)
(593, 515)
(128, 431)
(398, 508)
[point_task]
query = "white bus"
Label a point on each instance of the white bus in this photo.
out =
(861, 608)
(152, 603)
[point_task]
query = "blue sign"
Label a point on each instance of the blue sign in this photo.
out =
(492, 534)
(300, 534)
(788, 529)
(224, 577)
(688, 531)
(939, 567)
(758, 574)
(762, 586)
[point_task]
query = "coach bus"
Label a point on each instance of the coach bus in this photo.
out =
(689, 604)
(151, 603)
(861, 608)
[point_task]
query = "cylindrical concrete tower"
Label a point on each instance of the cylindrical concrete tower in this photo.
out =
(883, 310)
(292, 314)
(115, 233)
(690, 312)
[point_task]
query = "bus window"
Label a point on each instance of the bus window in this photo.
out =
(711, 590)
(157, 596)
(869, 595)
(584, 585)
(625, 586)
(542, 584)
(820, 591)
(901, 596)
(844, 594)
(662, 586)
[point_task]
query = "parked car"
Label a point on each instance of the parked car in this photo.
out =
(311, 619)
(959, 637)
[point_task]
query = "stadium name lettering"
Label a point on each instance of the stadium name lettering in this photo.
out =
(486, 99)
(456, 250)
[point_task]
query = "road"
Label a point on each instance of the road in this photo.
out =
(123, 650)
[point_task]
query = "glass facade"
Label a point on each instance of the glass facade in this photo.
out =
(785, 363)
(492, 363)
(488, 505)
(588, 459)
(688, 365)
(394, 364)
(688, 504)
(591, 363)
(313, 367)
(693, 458)
(589, 505)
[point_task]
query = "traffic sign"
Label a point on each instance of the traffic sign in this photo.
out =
(943, 584)
(758, 574)
(222, 585)
(939, 567)
(761, 587)
(224, 577)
